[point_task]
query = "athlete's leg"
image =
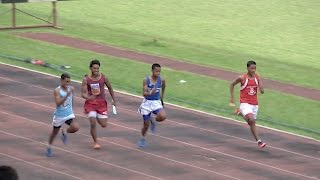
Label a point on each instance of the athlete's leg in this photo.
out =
(247, 111)
(93, 124)
(255, 113)
(252, 123)
(146, 123)
(102, 113)
(161, 115)
(250, 116)
(102, 119)
(73, 126)
(54, 132)
(103, 122)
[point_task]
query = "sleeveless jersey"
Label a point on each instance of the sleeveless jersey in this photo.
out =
(96, 87)
(249, 89)
(158, 84)
(65, 109)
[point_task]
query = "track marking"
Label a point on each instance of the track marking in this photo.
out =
(193, 110)
(175, 122)
(181, 142)
(127, 147)
(81, 155)
(37, 165)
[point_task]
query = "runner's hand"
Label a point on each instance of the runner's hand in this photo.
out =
(153, 90)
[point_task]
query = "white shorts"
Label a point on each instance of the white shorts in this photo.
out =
(246, 108)
(58, 121)
(94, 114)
(148, 106)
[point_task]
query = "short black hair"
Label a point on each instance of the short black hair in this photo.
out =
(249, 63)
(93, 62)
(65, 75)
(155, 65)
(8, 173)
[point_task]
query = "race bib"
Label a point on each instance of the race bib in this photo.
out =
(95, 89)
(252, 91)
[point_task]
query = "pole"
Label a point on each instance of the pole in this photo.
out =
(13, 15)
(54, 13)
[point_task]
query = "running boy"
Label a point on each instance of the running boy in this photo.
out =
(250, 83)
(152, 102)
(96, 106)
(63, 96)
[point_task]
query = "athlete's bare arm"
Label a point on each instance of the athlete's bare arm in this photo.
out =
(108, 84)
(238, 80)
(145, 91)
(261, 87)
(58, 100)
(84, 90)
(72, 92)
(163, 88)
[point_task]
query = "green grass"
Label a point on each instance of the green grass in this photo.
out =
(281, 35)
(211, 94)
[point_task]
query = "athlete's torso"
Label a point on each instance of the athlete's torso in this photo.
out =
(64, 109)
(96, 87)
(158, 84)
(249, 89)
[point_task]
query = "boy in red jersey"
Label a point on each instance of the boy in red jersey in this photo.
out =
(96, 104)
(250, 83)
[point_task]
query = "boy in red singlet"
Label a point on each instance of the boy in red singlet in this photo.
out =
(96, 105)
(250, 83)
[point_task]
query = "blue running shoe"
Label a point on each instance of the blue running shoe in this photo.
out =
(49, 152)
(64, 137)
(142, 142)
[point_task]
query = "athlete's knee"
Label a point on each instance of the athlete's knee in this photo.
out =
(103, 122)
(55, 130)
(103, 125)
(74, 128)
(161, 116)
(251, 122)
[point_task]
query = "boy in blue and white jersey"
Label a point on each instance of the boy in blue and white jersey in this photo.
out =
(63, 96)
(153, 92)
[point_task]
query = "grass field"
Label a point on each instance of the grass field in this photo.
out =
(282, 35)
(276, 34)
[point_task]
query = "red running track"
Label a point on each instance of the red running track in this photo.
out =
(188, 145)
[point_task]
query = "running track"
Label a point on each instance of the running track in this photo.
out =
(188, 145)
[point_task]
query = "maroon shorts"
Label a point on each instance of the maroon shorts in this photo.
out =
(98, 105)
